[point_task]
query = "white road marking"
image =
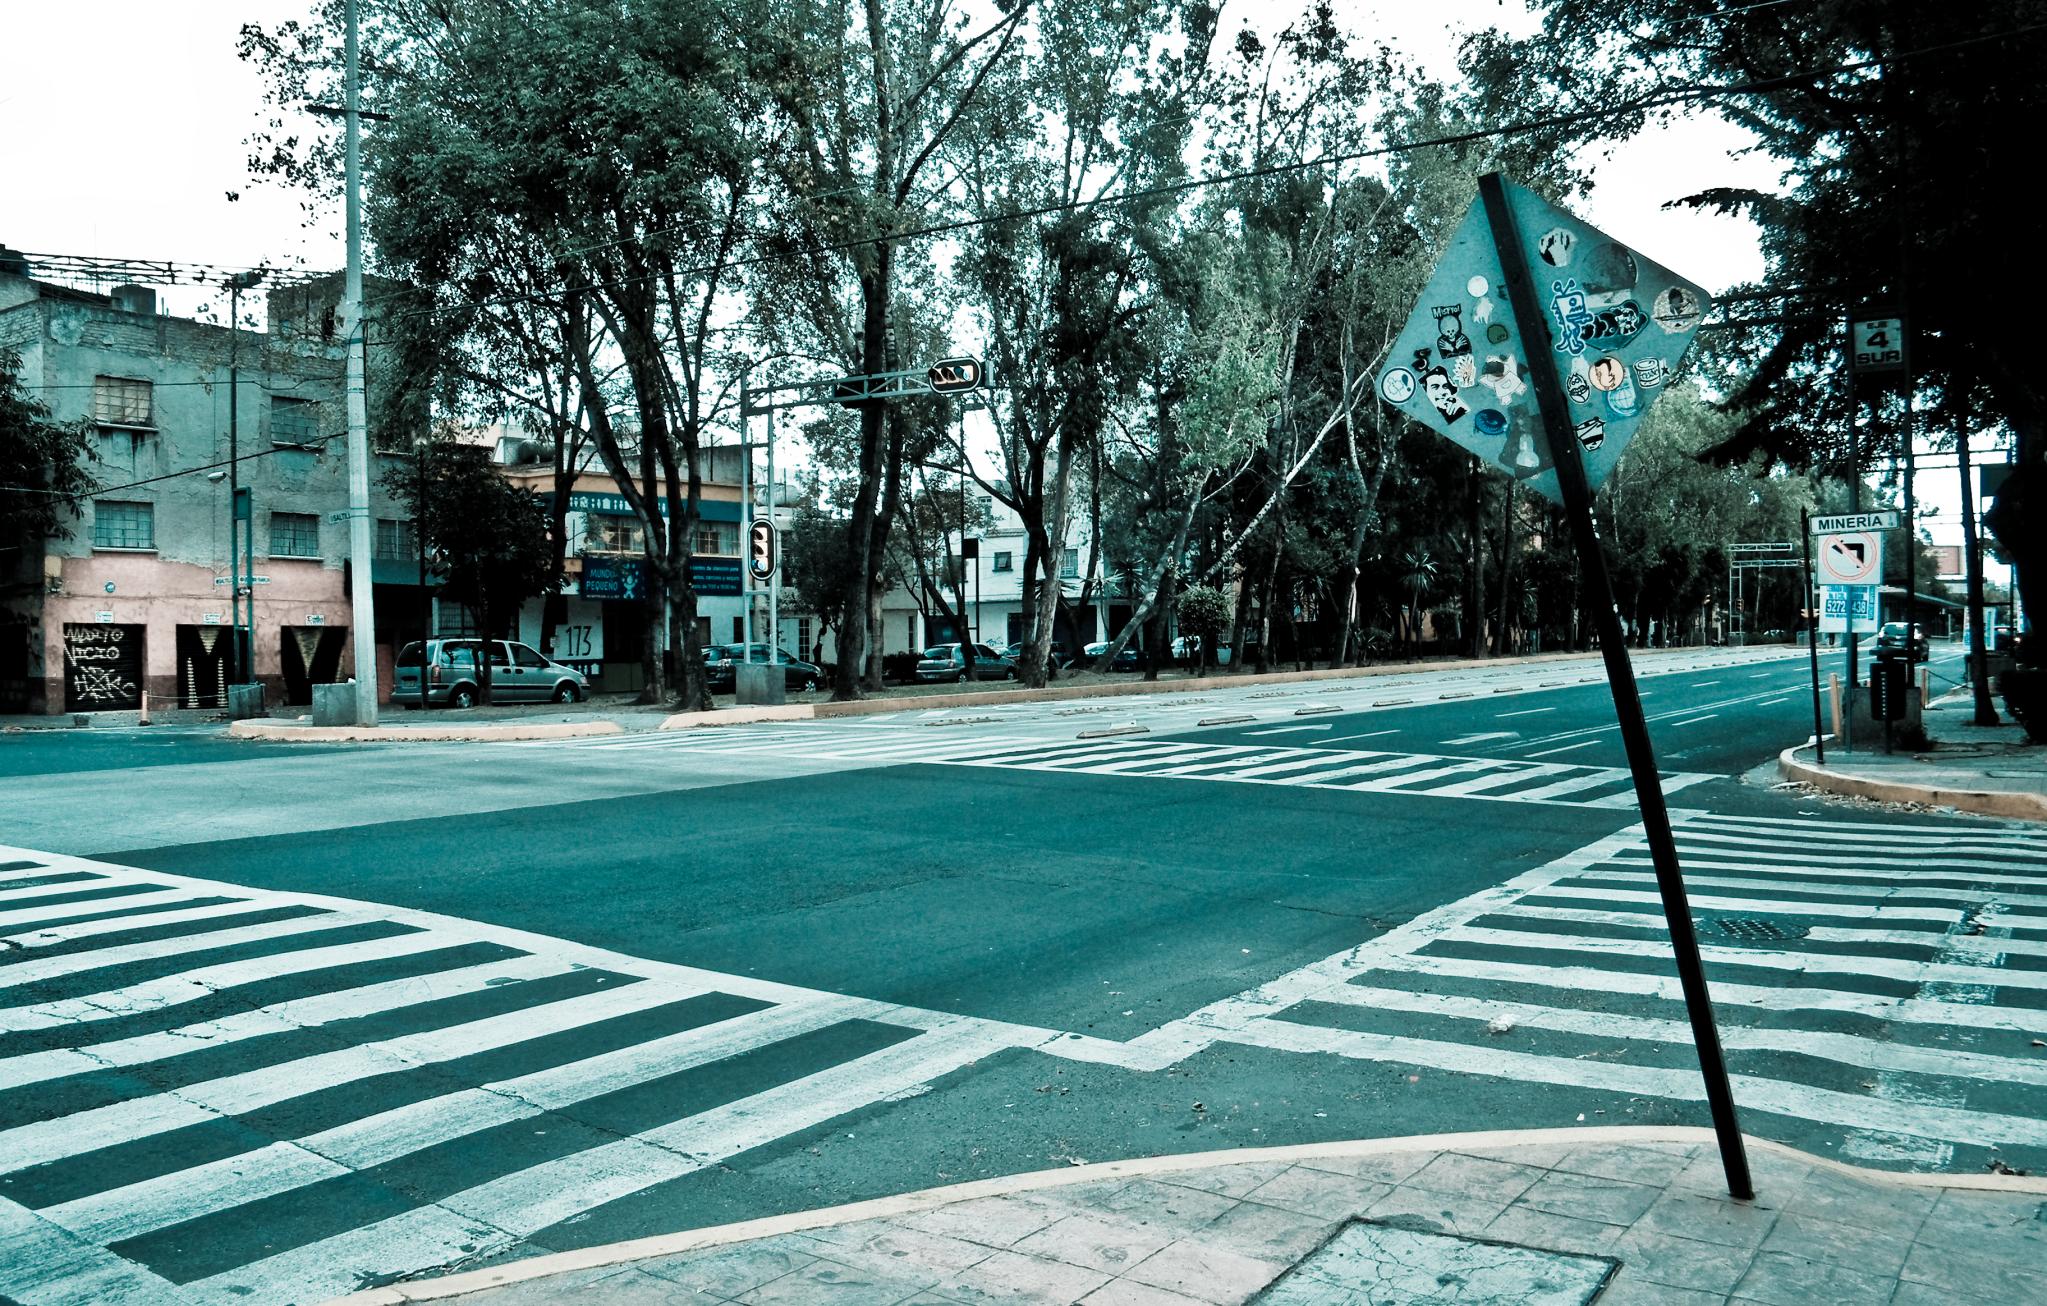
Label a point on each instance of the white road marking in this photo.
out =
(1527, 711)
(1369, 734)
(1550, 752)
(1290, 730)
(1480, 739)
(1695, 720)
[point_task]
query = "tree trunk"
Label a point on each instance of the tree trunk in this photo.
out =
(1503, 643)
(1474, 580)
(1972, 560)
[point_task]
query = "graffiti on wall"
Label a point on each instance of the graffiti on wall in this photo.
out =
(102, 668)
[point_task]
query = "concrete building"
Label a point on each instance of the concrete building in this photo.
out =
(995, 583)
(138, 598)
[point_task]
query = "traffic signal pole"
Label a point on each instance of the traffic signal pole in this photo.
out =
(1627, 698)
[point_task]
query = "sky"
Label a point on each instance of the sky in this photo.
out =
(125, 125)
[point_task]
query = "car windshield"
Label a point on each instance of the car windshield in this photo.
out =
(940, 653)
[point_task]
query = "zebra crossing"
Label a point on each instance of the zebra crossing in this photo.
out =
(1354, 770)
(216, 1094)
(1881, 990)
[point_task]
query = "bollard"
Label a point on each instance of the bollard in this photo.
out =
(145, 709)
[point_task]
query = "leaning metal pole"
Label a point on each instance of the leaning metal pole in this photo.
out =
(1627, 699)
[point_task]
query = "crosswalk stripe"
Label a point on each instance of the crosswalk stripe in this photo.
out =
(193, 1104)
(278, 1018)
(164, 1200)
(45, 1266)
(29, 917)
(493, 1215)
(32, 939)
(1519, 773)
(1774, 885)
(193, 985)
(34, 969)
(1806, 1102)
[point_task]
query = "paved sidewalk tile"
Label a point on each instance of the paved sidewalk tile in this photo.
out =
(1220, 1234)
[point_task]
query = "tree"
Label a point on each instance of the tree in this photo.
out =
(485, 536)
(44, 470)
(817, 569)
(1204, 612)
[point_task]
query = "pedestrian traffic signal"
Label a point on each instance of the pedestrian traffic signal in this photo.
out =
(954, 375)
(760, 549)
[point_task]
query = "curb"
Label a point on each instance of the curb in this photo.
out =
(1982, 802)
(1055, 694)
(594, 1258)
(253, 729)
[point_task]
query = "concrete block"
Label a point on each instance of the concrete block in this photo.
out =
(245, 701)
(334, 705)
(760, 684)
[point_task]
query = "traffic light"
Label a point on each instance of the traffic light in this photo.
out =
(760, 549)
(953, 375)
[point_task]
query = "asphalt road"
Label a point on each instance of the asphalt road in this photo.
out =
(298, 1019)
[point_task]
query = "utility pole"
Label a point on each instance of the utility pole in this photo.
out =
(775, 533)
(243, 638)
(362, 619)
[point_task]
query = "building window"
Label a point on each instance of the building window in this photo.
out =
(617, 535)
(294, 535)
(117, 525)
(122, 401)
(1004, 562)
(294, 421)
(718, 537)
(803, 638)
(1069, 565)
(395, 542)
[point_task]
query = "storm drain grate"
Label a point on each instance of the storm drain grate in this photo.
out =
(1755, 929)
(1372, 1264)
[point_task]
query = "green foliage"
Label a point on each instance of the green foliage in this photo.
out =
(43, 464)
(1203, 610)
(486, 537)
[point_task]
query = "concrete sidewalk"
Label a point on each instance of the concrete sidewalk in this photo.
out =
(1989, 770)
(1620, 1216)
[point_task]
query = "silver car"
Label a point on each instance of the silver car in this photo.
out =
(518, 674)
(942, 662)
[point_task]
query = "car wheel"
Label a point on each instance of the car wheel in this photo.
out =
(1009, 674)
(810, 684)
(462, 696)
(566, 693)
(960, 678)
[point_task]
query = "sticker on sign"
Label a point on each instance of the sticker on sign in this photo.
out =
(1855, 521)
(1852, 559)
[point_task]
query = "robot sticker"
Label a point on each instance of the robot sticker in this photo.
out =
(1573, 315)
(1443, 394)
(1450, 338)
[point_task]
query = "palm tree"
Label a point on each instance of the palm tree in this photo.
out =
(1417, 572)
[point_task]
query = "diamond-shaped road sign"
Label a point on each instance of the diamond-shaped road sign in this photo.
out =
(1615, 328)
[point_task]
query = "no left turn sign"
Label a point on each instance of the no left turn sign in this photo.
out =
(1856, 558)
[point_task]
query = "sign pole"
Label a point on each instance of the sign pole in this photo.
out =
(1627, 699)
(745, 515)
(1812, 635)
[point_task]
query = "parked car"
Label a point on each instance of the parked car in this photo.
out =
(943, 662)
(1892, 635)
(1056, 657)
(1130, 659)
(720, 659)
(518, 674)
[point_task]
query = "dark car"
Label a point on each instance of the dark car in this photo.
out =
(1056, 657)
(943, 662)
(720, 659)
(1892, 635)
(1130, 659)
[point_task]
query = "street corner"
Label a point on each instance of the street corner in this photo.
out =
(1965, 785)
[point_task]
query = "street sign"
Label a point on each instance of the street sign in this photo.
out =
(1848, 610)
(1876, 345)
(952, 375)
(210, 618)
(1856, 521)
(259, 580)
(1856, 558)
(760, 549)
(1614, 328)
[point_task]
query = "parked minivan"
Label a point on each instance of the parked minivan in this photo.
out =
(518, 674)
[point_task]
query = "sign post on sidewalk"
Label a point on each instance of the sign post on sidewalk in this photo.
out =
(1591, 351)
(1812, 635)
